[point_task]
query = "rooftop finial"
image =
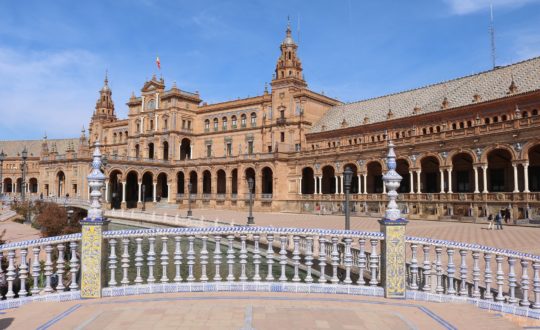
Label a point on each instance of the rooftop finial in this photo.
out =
(106, 76)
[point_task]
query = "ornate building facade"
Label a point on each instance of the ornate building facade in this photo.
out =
(466, 147)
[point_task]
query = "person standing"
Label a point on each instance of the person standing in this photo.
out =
(490, 220)
(507, 216)
(498, 220)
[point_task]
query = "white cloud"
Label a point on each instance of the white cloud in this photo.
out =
(464, 7)
(527, 45)
(46, 90)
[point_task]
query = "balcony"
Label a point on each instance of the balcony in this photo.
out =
(281, 121)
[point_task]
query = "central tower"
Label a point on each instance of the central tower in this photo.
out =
(289, 67)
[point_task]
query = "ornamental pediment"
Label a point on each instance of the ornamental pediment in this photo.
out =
(152, 85)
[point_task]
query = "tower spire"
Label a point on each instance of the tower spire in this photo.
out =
(288, 67)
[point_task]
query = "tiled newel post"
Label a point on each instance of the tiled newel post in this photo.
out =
(393, 225)
(93, 247)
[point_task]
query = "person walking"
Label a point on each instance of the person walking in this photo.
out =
(498, 221)
(507, 216)
(490, 220)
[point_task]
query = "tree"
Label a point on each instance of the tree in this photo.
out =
(53, 220)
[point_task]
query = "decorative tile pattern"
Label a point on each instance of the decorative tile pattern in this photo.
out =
(92, 251)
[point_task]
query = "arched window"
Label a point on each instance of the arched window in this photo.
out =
(504, 118)
(535, 112)
(151, 104)
(207, 125)
(486, 121)
(525, 114)
(165, 124)
(454, 126)
(114, 138)
(469, 123)
(424, 131)
(224, 123)
(243, 119)
(233, 121)
(462, 125)
(495, 119)
(216, 124)
(253, 119)
(438, 129)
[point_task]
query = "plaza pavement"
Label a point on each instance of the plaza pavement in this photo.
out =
(259, 311)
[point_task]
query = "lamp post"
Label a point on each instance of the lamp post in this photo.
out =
(69, 216)
(143, 197)
(189, 186)
(24, 156)
(251, 183)
(347, 176)
(2, 157)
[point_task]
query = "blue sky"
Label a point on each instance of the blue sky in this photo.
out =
(53, 54)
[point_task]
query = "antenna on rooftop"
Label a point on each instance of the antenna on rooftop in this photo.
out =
(492, 34)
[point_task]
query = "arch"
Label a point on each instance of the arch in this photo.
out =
(533, 155)
(193, 181)
(500, 171)
(185, 149)
(60, 183)
(180, 180)
(243, 120)
(308, 181)
(224, 123)
(328, 185)
(132, 189)
(207, 182)
(216, 124)
(165, 150)
(33, 185)
(207, 125)
(462, 172)
(147, 187)
(234, 181)
(267, 180)
(489, 149)
(162, 189)
(470, 153)
(221, 182)
(18, 185)
(233, 121)
(115, 189)
(403, 169)
(430, 176)
(354, 180)
(253, 119)
(374, 177)
(7, 185)
(250, 173)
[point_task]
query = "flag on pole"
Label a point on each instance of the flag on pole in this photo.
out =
(158, 63)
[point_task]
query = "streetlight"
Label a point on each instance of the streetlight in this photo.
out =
(2, 157)
(143, 197)
(189, 186)
(69, 216)
(347, 176)
(24, 156)
(251, 183)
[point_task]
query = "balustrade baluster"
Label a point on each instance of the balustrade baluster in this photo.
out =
(256, 257)
(500, 277)
(60, 267)
(463, 290)
(373, 262)
(439, 270)
(512, 281)
(243, 257)
(36, 269)
(296, 258)
(283, 257)
(414, 267)
(476, 274)
(138, 260)
(450, 271)
(525, 283)
(309, 258)
(426, 286)
(125, 262)
(10, 275)
(177, 259)
(217, 258)
(48, 268)
(23, 273)
(536, 284)
(112, 262)
(151, 259)
(487, 276)
(270, 256)
(164, 259)
(322, 259)
(348, 260)
(335, 260)
(191, 258)
(204, 258)
(230, 258)
(73, 265)
(362, 261)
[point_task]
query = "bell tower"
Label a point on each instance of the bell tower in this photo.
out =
(289, 67)
(103, 113)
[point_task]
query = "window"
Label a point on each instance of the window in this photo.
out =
(504, 118)
(469, 123)
(253, 119)
(208, 150)
(216, 124)
(233, 121)
(138, 127)
(486, 121)
(165, 124)
(151, 105)
(250, 147)
(297, 147)
(189, 124)
(282, 134)
(229, 149)
(269, 148)
(183, 123)
(424, 131)
(495, 119)
(151, 124)
(525, 114)
(207, 125)
(243, 120)
(454, 126)
(114, 138)
(224, 123)
(535, 112)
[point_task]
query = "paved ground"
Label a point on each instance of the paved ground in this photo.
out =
(254, 311)
(517, 238)
(17, 232)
